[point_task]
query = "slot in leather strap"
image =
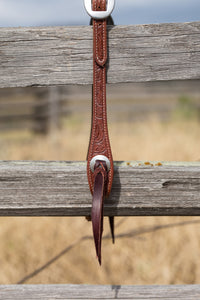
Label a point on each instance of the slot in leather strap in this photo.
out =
(100, 182)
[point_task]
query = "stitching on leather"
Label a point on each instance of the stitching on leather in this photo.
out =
(95, 24)
(97, 86)
(99, 61)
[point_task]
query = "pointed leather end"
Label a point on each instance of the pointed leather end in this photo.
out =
(99, 260)
(112, 226)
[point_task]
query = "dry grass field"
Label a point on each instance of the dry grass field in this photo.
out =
(151, 250)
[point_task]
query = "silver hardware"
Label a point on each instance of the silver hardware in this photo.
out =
(99, 14)
(99, 157)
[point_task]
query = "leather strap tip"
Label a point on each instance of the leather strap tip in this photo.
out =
(99, 260)
(112, 226)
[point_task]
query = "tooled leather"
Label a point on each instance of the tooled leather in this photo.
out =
(99, 140)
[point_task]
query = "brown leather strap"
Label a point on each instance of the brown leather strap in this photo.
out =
(100, 173)
(99, 139)
(100, 181)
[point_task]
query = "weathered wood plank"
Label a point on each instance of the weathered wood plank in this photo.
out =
(173, 292)
(61, 189)
(63, 55)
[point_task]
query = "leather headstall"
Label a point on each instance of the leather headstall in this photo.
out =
(99, 159)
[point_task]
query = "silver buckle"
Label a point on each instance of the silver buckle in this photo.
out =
(99, 157)
(99, 14)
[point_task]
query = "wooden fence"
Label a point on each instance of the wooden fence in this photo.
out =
(63, 55)
(37, 109)
(44, 109)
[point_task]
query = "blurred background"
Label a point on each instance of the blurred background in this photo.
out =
(155, 121)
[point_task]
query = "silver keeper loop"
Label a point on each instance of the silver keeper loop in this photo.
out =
(99, 157)
(99, 14)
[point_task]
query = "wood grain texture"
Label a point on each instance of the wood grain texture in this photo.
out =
(63, 55)
(173, 292)
(61, 189)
